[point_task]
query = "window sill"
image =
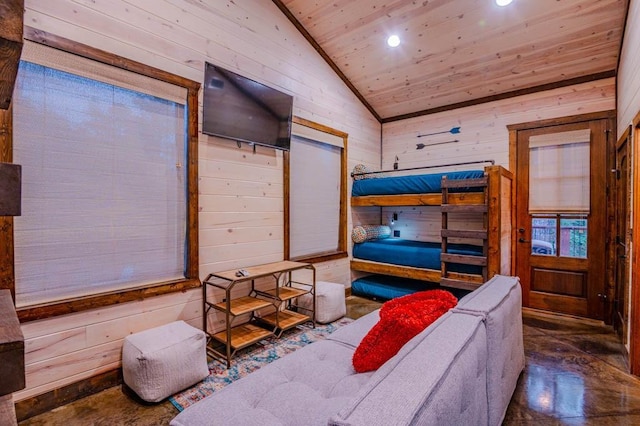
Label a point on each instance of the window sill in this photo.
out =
(32, 313)
(321, 257)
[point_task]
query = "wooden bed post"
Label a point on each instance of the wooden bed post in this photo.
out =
(500, 229)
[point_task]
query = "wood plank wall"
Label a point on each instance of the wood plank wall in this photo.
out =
(241, 206)
(483, 136)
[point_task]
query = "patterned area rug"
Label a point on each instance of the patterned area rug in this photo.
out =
(252, 358)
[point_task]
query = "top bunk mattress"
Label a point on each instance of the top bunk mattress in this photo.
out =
(414, 184)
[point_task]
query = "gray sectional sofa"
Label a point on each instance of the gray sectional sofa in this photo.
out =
(461, 370)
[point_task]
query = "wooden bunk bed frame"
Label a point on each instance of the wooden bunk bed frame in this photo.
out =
(492, 196)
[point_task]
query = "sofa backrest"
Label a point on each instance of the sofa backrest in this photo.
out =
(437, 378)
(499, 303)
(355, 332)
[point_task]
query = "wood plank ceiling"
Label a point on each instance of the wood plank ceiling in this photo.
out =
(460, 52)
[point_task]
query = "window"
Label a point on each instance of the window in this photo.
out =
(316, 184)
(559, 193)
(559, 172)
(559, 235)
(108, 160)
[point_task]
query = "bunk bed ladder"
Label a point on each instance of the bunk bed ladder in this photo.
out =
(457, 279)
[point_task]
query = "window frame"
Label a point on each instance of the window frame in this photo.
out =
(191, 280)
(341, 251)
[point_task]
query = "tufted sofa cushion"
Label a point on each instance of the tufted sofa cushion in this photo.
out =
(499, 303)
(437, 378)
(305, 388)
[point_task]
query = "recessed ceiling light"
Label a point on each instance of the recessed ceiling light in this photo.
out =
(503, 2)
(393, 41)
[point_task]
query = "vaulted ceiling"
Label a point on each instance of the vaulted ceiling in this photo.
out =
(459, 52)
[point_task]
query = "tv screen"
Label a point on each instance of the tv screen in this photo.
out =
(238, 108)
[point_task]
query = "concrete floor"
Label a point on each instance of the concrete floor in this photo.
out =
(574, 375)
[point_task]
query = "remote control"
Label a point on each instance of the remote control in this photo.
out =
(242, 273)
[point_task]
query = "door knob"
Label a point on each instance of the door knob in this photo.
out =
(522, 240)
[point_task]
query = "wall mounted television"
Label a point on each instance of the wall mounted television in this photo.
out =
(241, 109)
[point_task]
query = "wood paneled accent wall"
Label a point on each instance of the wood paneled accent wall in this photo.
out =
(483, 136)
(240, 192)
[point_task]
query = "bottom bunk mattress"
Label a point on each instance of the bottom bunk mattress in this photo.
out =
(418, 254)
(384, 287)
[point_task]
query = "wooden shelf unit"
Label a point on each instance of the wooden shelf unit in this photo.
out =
(281, 296)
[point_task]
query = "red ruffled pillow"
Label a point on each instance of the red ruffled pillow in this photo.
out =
(401, 319)
(399, 302)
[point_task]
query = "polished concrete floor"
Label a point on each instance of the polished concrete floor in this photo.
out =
(574, 375)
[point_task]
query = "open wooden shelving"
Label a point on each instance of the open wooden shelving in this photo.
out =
(283, 293)
(280, 297)
(284, 320)
(243, 335)
(243, 305)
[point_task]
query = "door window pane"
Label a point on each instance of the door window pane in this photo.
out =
(544, 236)
(573, 238)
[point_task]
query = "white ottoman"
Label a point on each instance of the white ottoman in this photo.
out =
(330, 302)
(161, 361)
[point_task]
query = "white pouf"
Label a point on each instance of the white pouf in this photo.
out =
(330, 302)
(161, 361)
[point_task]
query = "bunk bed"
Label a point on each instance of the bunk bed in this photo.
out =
(487, 192)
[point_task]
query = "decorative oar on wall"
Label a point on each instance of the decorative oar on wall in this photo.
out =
(453, 131)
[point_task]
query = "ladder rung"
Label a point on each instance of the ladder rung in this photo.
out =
(464, 259)
(465, 285)
(459, 233)
(464, 208)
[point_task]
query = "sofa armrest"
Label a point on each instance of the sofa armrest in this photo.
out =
(499, 303)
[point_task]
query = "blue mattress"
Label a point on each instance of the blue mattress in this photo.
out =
(416, 184)
(418, 254)
(384, 287)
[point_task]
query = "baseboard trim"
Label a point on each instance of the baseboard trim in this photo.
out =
(31, 407)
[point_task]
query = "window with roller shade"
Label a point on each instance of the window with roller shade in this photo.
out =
(559, 193)
(317, 192)
(104, 156)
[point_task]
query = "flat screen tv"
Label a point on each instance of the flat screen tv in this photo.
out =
(238, 108)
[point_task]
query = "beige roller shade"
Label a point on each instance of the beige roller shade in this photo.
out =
(559, 172)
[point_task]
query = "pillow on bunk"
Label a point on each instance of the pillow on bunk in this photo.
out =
(361, 168)
(403, 319)
(363, 233)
